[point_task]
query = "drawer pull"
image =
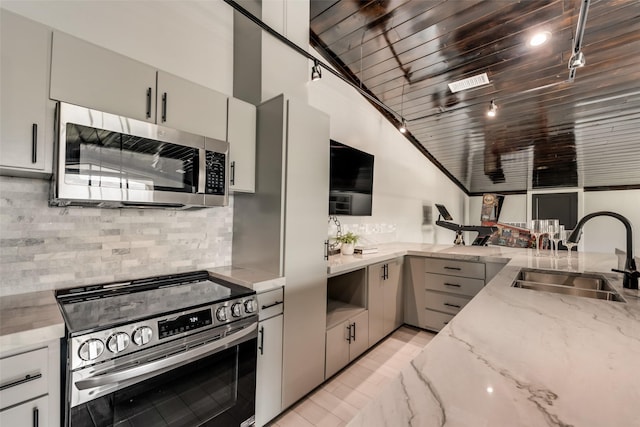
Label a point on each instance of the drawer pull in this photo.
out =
(451, 305)
(452, 284)
(445, 323)
(148, 103)
(264, 307)
(164, 107)
(261, 346)
(452, 268)
(27, 378)
(34, 143)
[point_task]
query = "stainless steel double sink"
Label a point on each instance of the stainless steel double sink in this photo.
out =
(566, 283)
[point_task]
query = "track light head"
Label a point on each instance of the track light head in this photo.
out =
(403, 126)
(577, 60)
(316, 71)
(493, 109)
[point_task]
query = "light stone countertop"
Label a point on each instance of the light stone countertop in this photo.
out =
(517, 357)
(29, 319)
(259, 281)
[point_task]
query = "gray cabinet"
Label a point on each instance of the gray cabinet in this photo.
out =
(91, 76)
(30, 392)
(385, 298)
(88, 75)
(26, 122)
(241, 136)
(437, 289)
(269, 364)
(281, 229)
(346, 339)
(190, 107)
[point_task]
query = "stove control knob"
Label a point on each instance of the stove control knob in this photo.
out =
(221, 313)
(91, 349)
(236, 309)
(250, 306)
(118, 342)
(142, 335)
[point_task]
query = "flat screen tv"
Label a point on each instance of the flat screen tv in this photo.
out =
(351, 181)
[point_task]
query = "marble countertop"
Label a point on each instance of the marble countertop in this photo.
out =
(520, 357)
(29, 319)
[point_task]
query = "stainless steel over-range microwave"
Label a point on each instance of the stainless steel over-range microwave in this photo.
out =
(107, 160)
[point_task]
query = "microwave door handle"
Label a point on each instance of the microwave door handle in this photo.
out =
(202, 174)
(163, 365)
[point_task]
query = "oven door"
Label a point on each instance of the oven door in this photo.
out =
(197, 382)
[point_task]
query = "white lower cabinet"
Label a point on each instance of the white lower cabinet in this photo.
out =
(32, 413)
(269, 370)
(385, 298)
(30, 386)
(346, 341)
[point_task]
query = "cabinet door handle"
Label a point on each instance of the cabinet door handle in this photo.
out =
(233, 173)
(349, 333)
(27, 378)
(326, 250)
(34, 143)
(36, 417)
(452, 268)
(451, 305)
(264, 307)
(261, 346)
(455, 285)
(148, 103)
(353, 331)
(164, 107)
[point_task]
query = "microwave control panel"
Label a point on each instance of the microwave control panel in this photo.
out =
(215, 173)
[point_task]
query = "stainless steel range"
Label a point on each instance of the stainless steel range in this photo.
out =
(176, 350)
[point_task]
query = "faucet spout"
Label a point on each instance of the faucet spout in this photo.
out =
(631, 274)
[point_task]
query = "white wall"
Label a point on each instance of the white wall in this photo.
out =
(191, 39)
(604, 234)
(403, 178)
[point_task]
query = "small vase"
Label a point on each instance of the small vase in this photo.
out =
(347, 248)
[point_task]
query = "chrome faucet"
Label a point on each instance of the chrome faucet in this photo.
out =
(631, 274)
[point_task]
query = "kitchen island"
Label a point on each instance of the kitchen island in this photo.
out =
(518, 357)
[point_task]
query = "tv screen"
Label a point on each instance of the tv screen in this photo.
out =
(351, 181)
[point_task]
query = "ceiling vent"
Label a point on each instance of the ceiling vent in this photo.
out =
(469, 83)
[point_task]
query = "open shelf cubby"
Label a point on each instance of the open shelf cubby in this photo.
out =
(346, 296)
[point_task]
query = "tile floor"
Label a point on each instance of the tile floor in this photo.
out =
(338, 400)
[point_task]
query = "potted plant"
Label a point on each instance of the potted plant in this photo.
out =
(347, 243)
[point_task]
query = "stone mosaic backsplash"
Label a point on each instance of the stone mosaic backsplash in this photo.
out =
(44, 247)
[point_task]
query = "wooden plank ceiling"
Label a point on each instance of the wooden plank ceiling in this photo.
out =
(548, 132)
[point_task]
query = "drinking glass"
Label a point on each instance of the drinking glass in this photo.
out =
(560, 237)
(553, 227)
(537, 227)
(567, 243)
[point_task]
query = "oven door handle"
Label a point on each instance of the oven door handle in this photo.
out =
(159, 366)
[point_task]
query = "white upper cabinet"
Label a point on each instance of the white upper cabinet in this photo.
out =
(190, 107)
(241, 136)
(88, 75)
(26, 127)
